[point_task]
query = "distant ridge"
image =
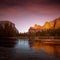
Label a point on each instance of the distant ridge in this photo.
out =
(54, 24)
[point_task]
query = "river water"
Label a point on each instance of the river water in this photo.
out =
(24, 49)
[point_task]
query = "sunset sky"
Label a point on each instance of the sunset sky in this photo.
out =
(26, 13)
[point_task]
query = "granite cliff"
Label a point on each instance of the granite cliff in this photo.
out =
(54, 24)
(8, 29)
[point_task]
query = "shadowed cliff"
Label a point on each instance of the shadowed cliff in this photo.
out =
(8, 32)
(8, 29)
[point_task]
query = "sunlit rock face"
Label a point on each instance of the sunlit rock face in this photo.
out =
(57, 23)
(54, 24)
(8, 29)
(36, 28)
(48, 25)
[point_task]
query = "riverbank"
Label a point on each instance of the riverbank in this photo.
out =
(45, 37)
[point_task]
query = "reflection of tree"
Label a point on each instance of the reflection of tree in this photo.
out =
(56, 51)
(53, 49)
(7, 42)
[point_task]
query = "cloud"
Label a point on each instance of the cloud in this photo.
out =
(24, 2)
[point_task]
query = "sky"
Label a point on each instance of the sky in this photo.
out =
(26, 13)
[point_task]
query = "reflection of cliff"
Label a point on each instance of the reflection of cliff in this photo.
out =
(37, 45)
(8, 29)
(55, 24)
(7, 42)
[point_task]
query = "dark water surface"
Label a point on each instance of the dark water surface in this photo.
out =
(24, 49)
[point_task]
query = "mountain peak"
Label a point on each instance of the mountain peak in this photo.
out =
(54, 24)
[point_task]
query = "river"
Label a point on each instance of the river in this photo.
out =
(24, 49)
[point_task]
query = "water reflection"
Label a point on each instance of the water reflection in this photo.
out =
(22, 44)
(24, 49)
(51, 49)
(7, 42)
